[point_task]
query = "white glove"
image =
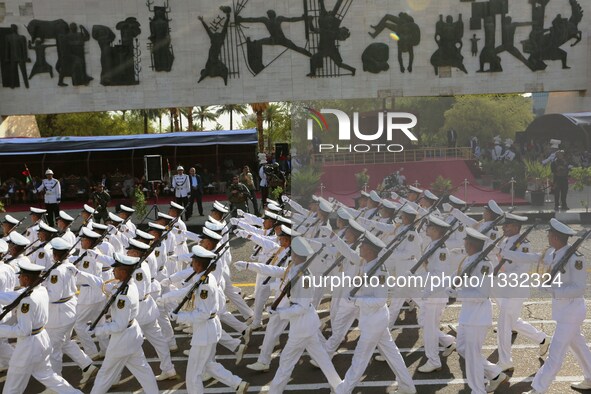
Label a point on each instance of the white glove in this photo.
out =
(234, 221)
(240, 213)
(240, 265)
(271, 311)
(99, 331)
(284, 198)
(325, 231)
(166, 282)
(173, 316)
(89, 331)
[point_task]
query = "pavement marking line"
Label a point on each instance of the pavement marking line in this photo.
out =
(383, 383)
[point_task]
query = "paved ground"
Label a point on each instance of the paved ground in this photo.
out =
(307, 379)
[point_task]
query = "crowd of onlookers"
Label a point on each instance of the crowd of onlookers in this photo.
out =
(123, 185)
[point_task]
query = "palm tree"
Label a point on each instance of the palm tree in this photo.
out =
(230, 109)
(188, 113)
(203, 113)
(150, 115)
(270, 115)
(259, 109)
(174, 120)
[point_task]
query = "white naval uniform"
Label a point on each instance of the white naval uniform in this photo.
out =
(346, 311)
(53, 191)
(474, 320)
(275, 324)
(399, 264)
(206, 324)
(32, 350)
(61, 287)
(43, 256)
(91, 302)
(232, 293)
(270, 250)
(182, 185)
(69, 236)
(125, 345)
(568, 309)
(304, 326)
(373, 331)
(148, 316)
(432, 303)
(31, 233)
(8, 282)
(510, 300)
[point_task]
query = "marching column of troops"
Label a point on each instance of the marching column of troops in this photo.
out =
(114, 285)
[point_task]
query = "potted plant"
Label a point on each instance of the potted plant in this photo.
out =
(537, 175)
(304, 183)
(362, 179)
(441, 186)
(582, 178)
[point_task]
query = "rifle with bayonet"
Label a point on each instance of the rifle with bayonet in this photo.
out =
(514, 247)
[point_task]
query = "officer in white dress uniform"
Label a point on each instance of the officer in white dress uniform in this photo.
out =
(275, 325)
(148, 311)
(124, 212)
(16, 245)
(201, 313)
(36, 215)
(40, 253)
(87, 213)
(182, 186)
(510, 300)
(433, 301)
(347, 311)
(8, 282)
(303, 319)
(8, 224)
(63, 223)
(476, 316)
(31, 353)
(91, 299)
(373, 324)
(125, 344)
(61, 288)
(53, 196)
(568, 309)
(491, 212)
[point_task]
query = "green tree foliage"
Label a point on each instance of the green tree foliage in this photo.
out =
(91, 124)
(204, 113)
(231, 109)
(489, 115)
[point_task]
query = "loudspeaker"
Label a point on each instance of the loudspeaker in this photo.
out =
(153, 168)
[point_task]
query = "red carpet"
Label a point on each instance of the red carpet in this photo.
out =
(339, 181)
(71, 205)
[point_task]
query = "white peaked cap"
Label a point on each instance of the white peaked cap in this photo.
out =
(494, 207)
(472, 233)
(373, 240)
(60, 244)
(89, 209)
(201, 252)
(301, 247)
(18, 239)
(561, 227)
(45, 227)
(144, 235)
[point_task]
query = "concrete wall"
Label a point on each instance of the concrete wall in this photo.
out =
(285, 78)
